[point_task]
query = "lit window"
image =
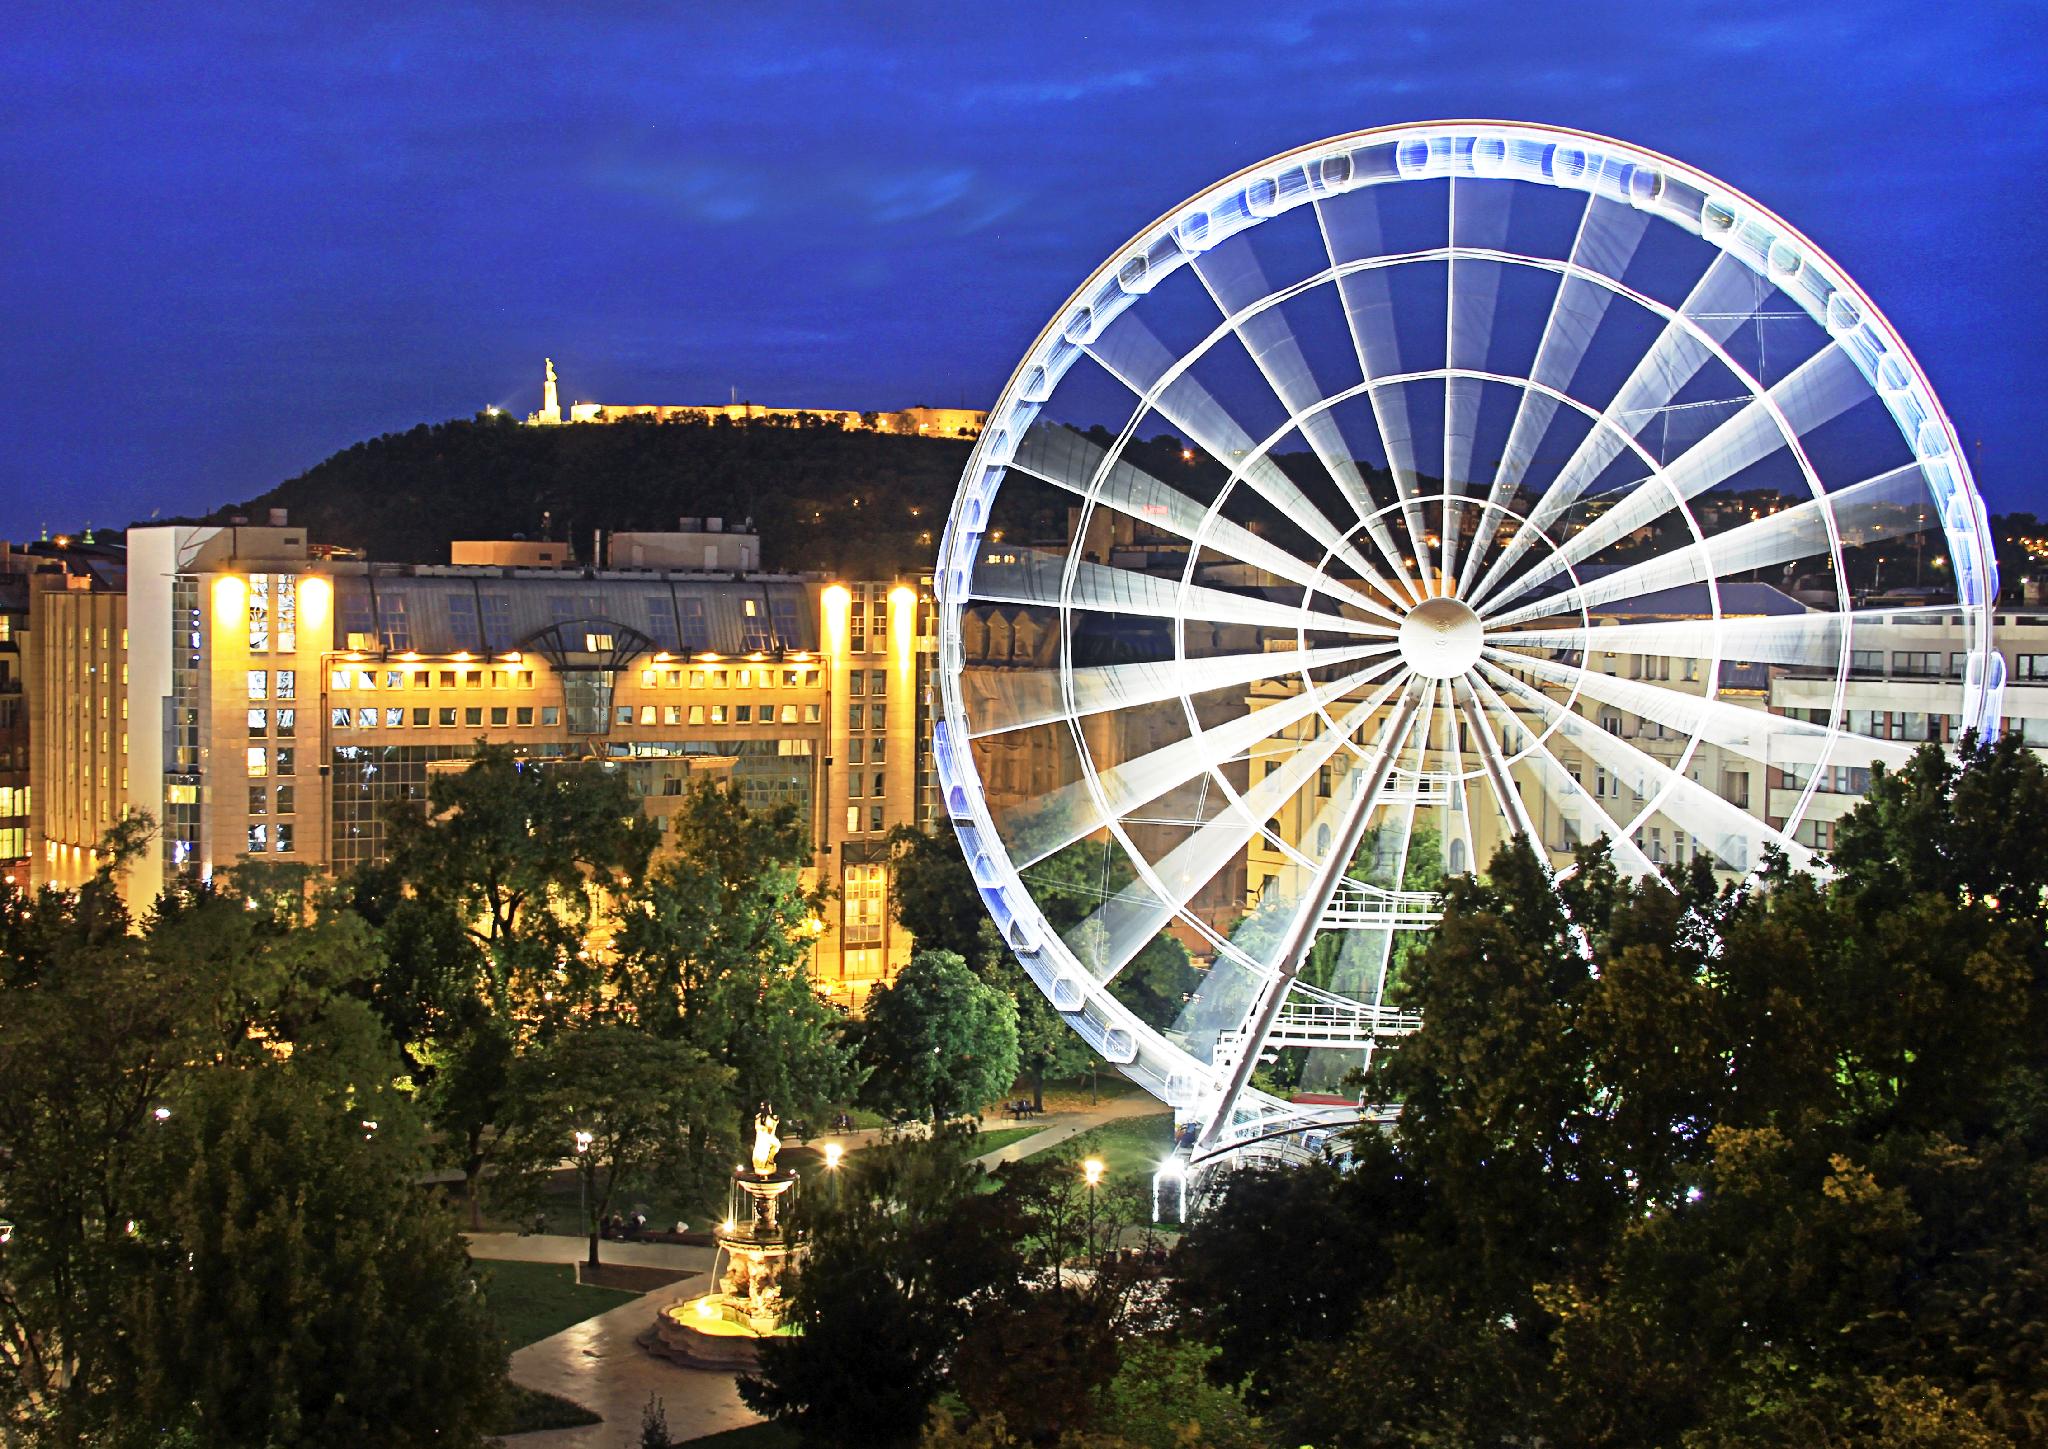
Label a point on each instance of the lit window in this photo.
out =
(259, 721)
(259, 761)
(647, 714)
(696, 714)
(287, 683)
(671, 714)
(259, 684)
(394, 717)
(285, 844)
(550, 714)
(341, 717)
(259, 838)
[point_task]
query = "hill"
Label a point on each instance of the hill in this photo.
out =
(859, 504)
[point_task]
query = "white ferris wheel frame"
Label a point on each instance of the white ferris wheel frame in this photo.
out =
(1562, 158)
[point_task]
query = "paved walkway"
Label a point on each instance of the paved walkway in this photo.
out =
(597, 1363)
(1066, 1125)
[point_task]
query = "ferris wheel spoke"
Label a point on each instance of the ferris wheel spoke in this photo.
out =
(1606, 240)
(1500, 780)
(1861, 513)
(1457, 806)
(1038, 578)
(1755, 734)
(1561, 784)
(1811, 640)
(1072, 811)
(1472, 293)
(1717, 304)
(1145, 365)
(1732, 833)
(1127, 922)
(1067, 460)
(1294, 946)
(1013, 701)
(1820, 389)
(1352, 232)
(1237, 284)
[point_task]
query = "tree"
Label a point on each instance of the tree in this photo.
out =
(520, 852)
(617, 1103)
(294, 1285)
(901, 1252)
(937, 1042)
(1697, 1164)
(714, 950)
(933, 895)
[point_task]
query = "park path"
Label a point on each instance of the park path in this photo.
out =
(597, 1363)
(1068, 1125)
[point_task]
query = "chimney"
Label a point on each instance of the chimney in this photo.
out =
(277, 518)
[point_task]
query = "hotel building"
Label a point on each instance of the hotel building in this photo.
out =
(264, 701)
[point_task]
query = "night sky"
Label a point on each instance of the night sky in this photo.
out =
(238, 237)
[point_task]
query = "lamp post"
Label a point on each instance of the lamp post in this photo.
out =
(1092, 1171)
(583, 1141)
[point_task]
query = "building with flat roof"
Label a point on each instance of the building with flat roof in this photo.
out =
(265, 702)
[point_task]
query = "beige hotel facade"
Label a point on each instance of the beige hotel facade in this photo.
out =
(264, 700)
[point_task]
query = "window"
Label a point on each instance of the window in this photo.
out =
(259, 761)
(789, 714)
(1916, 663)
(671, 714)
(879, 788)
(394, 717)
(743, 714)
(472, 679)
(394, 679)
(285, 760)
(287, 723)
(854, 751)
(2030, 666)
(473, 716)
(696, 714)
(259, 615)
(696, 636)
(421, 718)
(875, 817)
(501, 715)
(259, 684)
(525, 714)
(853, 785)
(878, 681)
(392, 622)
(285, 613)
(447, 679)
(696, 679)
(878, 716)
(259, 800)
(285, 844)
(341, 717)
(853, 820)
(857, 626)
(366, 718)
(287, 683)
(856, 681)
(285, 797)
(647, 714)
(718, 714)
(446, 717)
(856, 717)
(550, 714)
(812, 714)
(624, 714)
(878, 749)
(338, 679)
(366, 679)
(259, 721)
(259, 839)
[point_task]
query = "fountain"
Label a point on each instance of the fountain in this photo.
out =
(756, 1247)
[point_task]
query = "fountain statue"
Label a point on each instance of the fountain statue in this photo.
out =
(756, 1246)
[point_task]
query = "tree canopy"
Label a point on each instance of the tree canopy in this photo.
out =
(937, 1041)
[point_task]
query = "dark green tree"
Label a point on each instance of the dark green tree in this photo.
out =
(714, 950)
(615, 1103)
(937, 1042)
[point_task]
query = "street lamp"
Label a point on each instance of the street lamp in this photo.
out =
(583, 1141)
(833, 1153)
(1092, 1170)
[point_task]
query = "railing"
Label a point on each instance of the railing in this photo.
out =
(1359, 907)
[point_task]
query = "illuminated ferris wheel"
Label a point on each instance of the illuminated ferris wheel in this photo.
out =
(1398, 495)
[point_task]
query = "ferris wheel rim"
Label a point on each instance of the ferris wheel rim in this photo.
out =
(1967, 537)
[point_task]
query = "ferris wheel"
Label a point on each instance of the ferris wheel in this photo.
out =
(1396, 496)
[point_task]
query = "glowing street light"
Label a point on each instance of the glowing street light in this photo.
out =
(833, 1153)
(1092, 1170)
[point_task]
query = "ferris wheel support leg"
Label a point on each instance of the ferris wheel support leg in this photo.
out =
(1301, 934)
(1495, 761)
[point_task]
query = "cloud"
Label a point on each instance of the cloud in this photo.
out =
(1060, 92)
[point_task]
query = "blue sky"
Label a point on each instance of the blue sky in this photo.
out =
(239, 237)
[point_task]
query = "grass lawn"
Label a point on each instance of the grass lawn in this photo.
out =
(526, 1410)
(1131, 1148)
(532, 1301)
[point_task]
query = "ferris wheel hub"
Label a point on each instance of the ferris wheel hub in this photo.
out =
(1440, 638)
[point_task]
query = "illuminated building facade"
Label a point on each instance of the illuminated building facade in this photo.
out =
(290, 702)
